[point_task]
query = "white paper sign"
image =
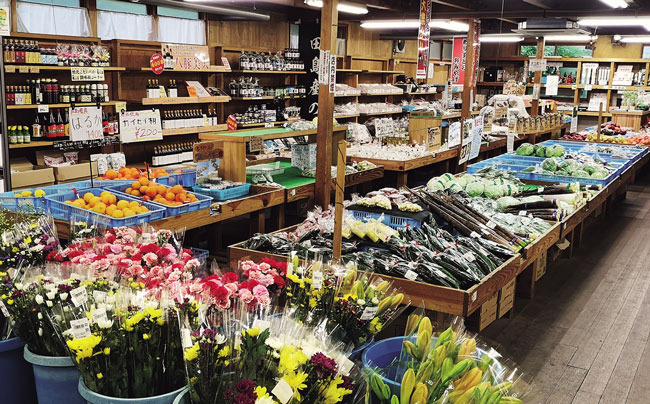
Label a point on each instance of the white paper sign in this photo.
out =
(476, 138)
(411, 275)
(454, 134)
(86, 123)
(186, 338)
(552, 83)
(140, 126)
(536, 91)
(430, 71)
(5, 27)
(3, 309)
(200, 90)
(87, 73)
(323, 66)
(43, 109)
(596, 100)
(282, 391)
(369, 313)
(99, 316)
(510, 142)
(537, 65)
(574, 120)
(317, 280)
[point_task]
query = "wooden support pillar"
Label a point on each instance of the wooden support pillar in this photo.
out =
(328, 28)
(534, 110)
(468, 87)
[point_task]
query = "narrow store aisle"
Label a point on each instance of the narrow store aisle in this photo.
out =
(585, 335)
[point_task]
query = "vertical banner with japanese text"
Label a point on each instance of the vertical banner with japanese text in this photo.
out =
(424, 33)
(459, 59)
(309, 47)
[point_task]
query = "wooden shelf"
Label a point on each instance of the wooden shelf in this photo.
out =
(383, 71)
(380, 113)
(79, 104)
(349, 70)
(190, 131)
(236, 136)
(184, 100)
(420, 93)
(31, 144)
(380, 95)
(592, 113)
(38, 68)
(262, 124)
(345, 116)
(266, 98)
(345, 95)
(490, 84)
(269, 72)
(211, 69)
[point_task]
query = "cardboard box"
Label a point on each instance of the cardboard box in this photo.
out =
(32, 178)
(83, 155)
(488, 312)
(303, 156)
(21, 164)
(540, 269)
(425, 130)
(75, 172)
(506, 298)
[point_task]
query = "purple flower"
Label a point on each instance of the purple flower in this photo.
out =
(324, 366)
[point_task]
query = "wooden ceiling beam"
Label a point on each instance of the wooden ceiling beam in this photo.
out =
(536, 3)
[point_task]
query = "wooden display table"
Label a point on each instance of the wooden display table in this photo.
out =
(233, 164)
(629, 119)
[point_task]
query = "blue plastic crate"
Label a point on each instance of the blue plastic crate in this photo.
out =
(188, 177)
(517, 171)
(175, 179)
(165, 180)
(61, 210)
(204, 202)
(224, 194)
(396, 222)
(110, 183)
(27, 204)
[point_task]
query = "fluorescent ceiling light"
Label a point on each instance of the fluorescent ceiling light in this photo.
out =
(616, 3)
(409, 24)
(643, 21)
(344, 6)
(570, 38)
(636, 39)
(500, 38)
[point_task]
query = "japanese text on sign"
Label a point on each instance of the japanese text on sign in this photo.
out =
(140, 126)
(86, 123)
(87, 73)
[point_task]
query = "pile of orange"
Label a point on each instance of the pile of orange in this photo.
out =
(126, 173)
(108, 204)
(168, 196)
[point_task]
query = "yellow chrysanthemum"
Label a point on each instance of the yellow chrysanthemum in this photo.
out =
(334, 394)
(290, 359)
(253, 332)
(192, 353)
(225, 351)
(297, 382)
(83, 347)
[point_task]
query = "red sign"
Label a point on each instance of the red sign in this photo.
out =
(157, 63)
(459, 60)
(424, 32)
(231, 122)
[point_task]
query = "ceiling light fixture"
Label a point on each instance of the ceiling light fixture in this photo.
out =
(616, 3)
(570, 38)
(643, 21)
(500, 38)
(636, 39)
(414, 24)
(344, 6)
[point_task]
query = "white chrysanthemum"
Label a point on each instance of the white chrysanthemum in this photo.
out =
(39, 299)
(64, 296)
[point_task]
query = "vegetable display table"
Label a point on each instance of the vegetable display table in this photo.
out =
(630, 119)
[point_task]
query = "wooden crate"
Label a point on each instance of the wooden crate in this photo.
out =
(506, 298)
(532, 251)
(431, 297)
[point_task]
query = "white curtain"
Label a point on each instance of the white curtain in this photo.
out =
(181, 30)
(46, 19)
(112, 25)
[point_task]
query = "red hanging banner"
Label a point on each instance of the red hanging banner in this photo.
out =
(424, 33)
(459, 59)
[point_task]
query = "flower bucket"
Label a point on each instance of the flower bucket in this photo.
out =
(55, 377)
(382, 354)
(94, 398)
(356, 353)
(184, 397)
(16, 374)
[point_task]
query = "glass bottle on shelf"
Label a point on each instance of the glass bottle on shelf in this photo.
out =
(25, 133)
(173, 89)
(243, 61)
(36, 128)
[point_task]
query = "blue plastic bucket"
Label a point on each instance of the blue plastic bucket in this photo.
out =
(55, 377)
(16, 374)
(94, 398)
(356, 354)
(382, 354)
(184, 397)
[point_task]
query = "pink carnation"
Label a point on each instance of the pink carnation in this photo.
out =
(246, 296)
(259, 291)
(150, 258)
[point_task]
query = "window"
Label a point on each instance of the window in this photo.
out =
(122, 6)
(572, 51)
(181, 30)
(63, 3)
(178, 13)
(39, 18)
(112, 25)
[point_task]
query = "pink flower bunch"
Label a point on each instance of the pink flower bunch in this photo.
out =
(147, 258)
(263, 282)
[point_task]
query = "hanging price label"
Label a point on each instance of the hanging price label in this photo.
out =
(3, 309)
(510, 142)
(411, 275)
(186, 338)
(79, 296)
(99, 316)
(369, 313)
(282, 391)
(43, 109)
(317, 280)
(99, 296)
(140, 126)
(80, 328)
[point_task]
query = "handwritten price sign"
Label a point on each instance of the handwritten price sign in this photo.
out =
(140, 126)
(86, 123)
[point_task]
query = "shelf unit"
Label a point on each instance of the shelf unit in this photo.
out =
(35, 143)
(184, 100)
(266, 98)
(578, 92)
(211, 69)
(11, 68)
(288, 72)
(79, 104)
(188, 131)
